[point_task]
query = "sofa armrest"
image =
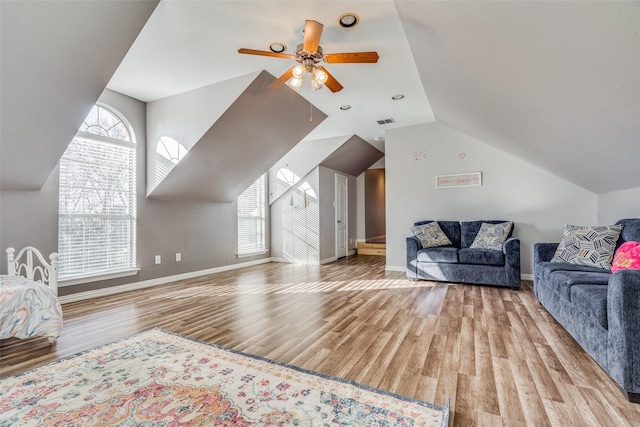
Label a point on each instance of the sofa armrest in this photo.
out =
(413, 245)
(543, 252)
(511, 249)
(623, 311)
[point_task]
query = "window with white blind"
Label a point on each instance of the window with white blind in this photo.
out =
(251, 219)
(97, 211)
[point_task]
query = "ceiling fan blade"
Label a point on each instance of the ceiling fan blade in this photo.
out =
(332, 84)
(265, 53)
(282, 79)
(312, 34)
(352, 57)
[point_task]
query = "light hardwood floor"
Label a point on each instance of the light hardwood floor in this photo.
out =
(496, 353)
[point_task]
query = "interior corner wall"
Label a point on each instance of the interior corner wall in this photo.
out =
(360, 227)
(375, 224)
(539, 203)
(618, 205)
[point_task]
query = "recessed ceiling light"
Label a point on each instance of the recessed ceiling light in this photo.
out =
(348, 20)
(397, 97)
(345, 107)
(277, 47)
(379, 138)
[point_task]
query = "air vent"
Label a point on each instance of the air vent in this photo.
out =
(385, 121)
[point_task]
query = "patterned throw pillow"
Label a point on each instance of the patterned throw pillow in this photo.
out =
(492, 236)
(431, 235)
(627, 257)
(589, 246)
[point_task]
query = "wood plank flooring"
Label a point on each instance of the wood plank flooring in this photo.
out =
(496, 353)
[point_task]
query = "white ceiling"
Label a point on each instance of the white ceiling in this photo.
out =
(191, 44)
(556, 84)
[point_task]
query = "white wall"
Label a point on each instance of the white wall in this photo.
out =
(538, 202)
(617, 205)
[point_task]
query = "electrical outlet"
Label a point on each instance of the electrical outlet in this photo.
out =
(178, 257)
(158, 259)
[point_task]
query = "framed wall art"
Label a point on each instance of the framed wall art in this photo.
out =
(468, 179)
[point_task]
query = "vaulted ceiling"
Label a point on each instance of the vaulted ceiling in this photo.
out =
(556, 84)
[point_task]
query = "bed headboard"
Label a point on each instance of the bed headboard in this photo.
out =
(22, 264)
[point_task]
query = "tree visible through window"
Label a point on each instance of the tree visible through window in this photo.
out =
(97, 212)
(251, 218)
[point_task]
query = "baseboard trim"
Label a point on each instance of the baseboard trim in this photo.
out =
(80, 296)
(526, 277)
(328, 260)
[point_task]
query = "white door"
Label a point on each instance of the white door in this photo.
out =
(341, 216)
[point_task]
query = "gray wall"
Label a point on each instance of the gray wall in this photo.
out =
(204, 233)
(538, 202)
(375, 219)
(617, 205)
(29, 218)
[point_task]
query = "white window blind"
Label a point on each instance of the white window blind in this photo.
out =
(97, 211)
(251, 218)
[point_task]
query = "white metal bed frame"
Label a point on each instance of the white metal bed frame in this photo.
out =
(22, 264)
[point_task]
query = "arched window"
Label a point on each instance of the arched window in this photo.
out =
(171, 152)
(97, 211)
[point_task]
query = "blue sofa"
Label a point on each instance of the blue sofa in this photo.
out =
(460, 263)
(599, 309)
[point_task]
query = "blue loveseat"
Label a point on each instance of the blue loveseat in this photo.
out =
(459, 262)
(599, 309)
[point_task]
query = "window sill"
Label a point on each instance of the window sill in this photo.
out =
(76, 280)
(249, 254)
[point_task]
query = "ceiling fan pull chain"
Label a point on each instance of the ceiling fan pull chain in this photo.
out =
(310, 111)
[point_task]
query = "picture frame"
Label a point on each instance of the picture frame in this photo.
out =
(467, 179)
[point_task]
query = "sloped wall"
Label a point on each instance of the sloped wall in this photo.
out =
(257, 129)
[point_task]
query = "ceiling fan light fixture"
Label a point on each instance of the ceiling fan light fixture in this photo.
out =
(348, 20)
(315, 84)
(320, 76)
(295, 83)
(298, 72)
(277, 47)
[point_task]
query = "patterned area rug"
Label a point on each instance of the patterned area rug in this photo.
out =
(158, 378)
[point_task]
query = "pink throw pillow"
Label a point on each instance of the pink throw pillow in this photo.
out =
(627, 257)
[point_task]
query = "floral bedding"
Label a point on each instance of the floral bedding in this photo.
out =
(28, 309)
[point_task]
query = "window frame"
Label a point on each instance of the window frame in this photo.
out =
(261, 218)
(131, 217)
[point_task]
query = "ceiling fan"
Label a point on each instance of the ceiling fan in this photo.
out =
(308, 55)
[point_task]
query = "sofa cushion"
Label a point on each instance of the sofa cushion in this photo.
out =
(492, 236)
(450, 228)
(591, 300)
(546, 268)
(430, 235)
(590, 246)
(469, 230)
(562, 281)
(442, 254)
(480, 256)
